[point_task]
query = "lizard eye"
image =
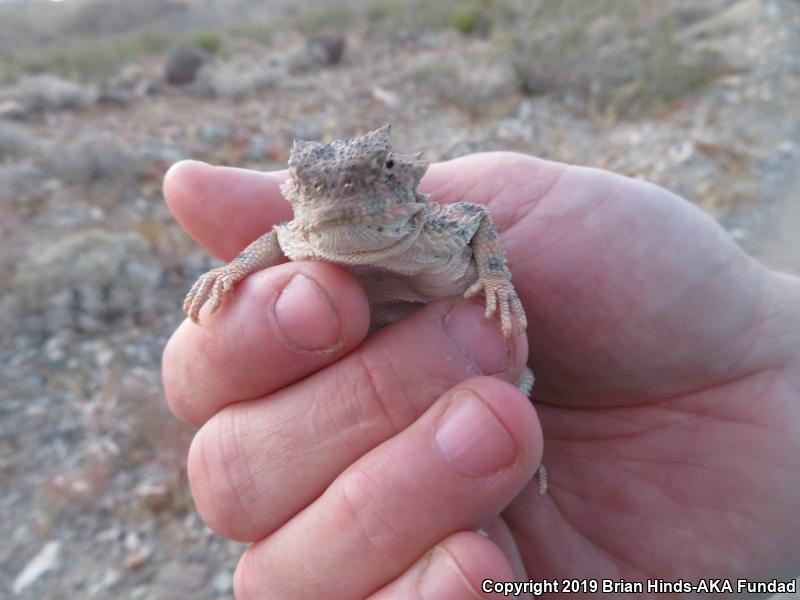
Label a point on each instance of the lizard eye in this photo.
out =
(389, 163)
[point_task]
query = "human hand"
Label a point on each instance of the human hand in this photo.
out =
(666, 369)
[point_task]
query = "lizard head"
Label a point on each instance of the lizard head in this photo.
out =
(347, 178)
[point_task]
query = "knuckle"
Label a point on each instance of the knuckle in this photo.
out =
(243, 577)
(373, 396)
(221, 476)
(367, 505)
(177, 378)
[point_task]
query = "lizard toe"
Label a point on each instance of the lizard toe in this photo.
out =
(491, 304)
(519, 312)
(198, 295)
(473, 290)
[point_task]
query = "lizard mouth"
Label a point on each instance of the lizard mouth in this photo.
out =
(332, 218)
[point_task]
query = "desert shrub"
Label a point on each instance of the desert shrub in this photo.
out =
(114, 17)
(260, 32)
(311, 20)
(93, 161)
(206, 40)
(82, 59)
(48, 92)
(466, 16)
(621, 57)
(465, 19)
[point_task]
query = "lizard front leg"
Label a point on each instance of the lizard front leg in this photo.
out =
(212, 286)
(494, 278)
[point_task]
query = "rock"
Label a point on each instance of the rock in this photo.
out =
(740, 234)
(183, 64)
(277, 152)
(137, 552)
(182, 580)
(100, 587)
(136, 81)
(137, 558)
(55, 349)
(78, 486)
(322, 49)
(15, 140)
(307, 130)
(222, 583)
(257, 149)
(21, 183)
(327, 47)
(147, 87)
(132, 541)
(114, 97)
(48, 92)
(12, 109)
(46, 560)
(534, 83)
(388, 97)
(154, 497)
(161, 152)
(215, 132)
(154, 491)
(787, 148)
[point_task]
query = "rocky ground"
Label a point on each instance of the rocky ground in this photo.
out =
(93, 268)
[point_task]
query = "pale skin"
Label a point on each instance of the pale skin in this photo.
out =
(667, 370)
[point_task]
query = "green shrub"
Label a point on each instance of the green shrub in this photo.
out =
(82, 59)
(262, 33)
(426, 15)
(206, 40)
(311, 20)
(620, 57)
(465, 19)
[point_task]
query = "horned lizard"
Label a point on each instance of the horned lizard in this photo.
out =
(356, 204)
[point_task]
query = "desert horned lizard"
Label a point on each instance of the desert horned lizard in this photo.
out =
(356, 204)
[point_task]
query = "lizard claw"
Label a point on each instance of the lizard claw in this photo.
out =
(500, 295)
(210, 287)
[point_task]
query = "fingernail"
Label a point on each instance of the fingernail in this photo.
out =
(480, 339)
(471, 438)
(306, 315)
(442, 578)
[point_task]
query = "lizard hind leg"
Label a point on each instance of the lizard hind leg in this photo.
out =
(525, 385)
(525, 382)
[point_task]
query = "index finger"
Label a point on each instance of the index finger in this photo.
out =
(225, 208)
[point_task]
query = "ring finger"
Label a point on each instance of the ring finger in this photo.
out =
(454, 468)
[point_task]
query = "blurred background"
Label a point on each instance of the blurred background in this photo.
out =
(99, 97)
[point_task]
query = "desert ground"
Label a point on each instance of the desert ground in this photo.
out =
(99, 97)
